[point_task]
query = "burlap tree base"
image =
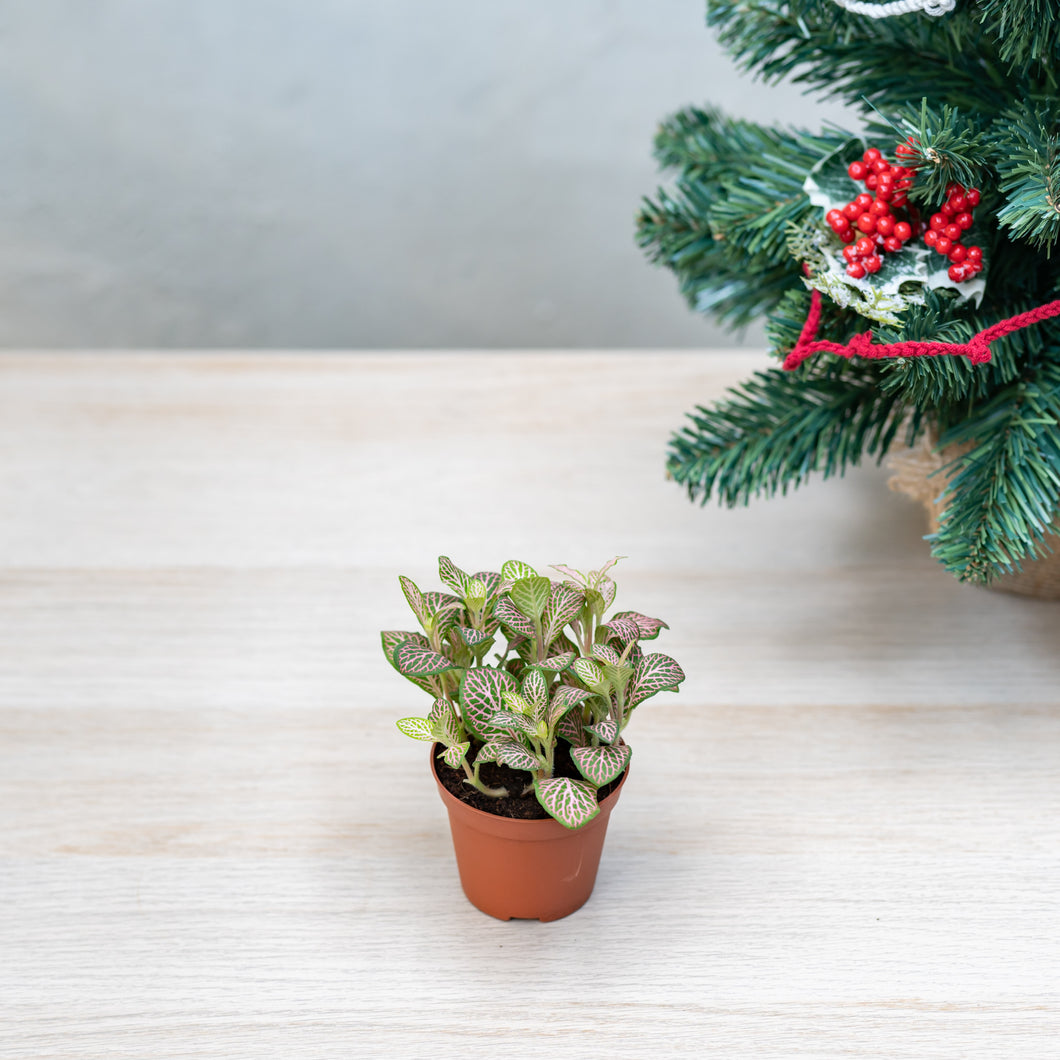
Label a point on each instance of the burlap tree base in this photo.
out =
(914, 474)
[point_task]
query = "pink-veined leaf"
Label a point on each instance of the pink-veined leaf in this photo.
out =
(417, 728)
(512, 618)
(622, 629)
(414, 660)
(571, 802)
(481, 696)
(571, 728)
(415, 599)
(391, 638)
(515, 702)
(605, 653)
(606, 730)
(558, 663)
(564, 603)
(452, 575)
(514, 569)
(600, 765)
(653, 673)
(444, 610)
(443, 722)
(617, 677)
(472, 637)
(649, 627)
(574, 575)
(590, 673)
(454, 754)
(530, 596)
(563, 699)
(514, 754)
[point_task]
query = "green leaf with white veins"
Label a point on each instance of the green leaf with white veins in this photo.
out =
(414, 660)
(530, 595)
(509, 721)
(535, 691)
(600, 765)
(481, 696)
(558, 663)
(571, 802)
(618, 677)
(563, 699)
(515, 702)
(591, 674)
(653, 673)
(454, 754)
(417, 728)
(514, 754)
(443, 722)
(514, 570)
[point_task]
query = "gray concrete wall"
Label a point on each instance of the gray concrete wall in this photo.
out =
(368, 173)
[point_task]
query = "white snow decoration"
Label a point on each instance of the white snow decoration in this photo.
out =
(934, 8)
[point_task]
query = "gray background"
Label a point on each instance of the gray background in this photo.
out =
(369, 173)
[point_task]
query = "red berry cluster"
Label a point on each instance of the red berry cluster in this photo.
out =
(947, 227)
(873, 217)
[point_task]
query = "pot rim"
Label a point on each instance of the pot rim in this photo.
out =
(539, 824)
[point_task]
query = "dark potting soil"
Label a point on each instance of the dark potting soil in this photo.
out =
(494, 775)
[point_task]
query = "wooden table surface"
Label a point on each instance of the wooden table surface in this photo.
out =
(842, 838)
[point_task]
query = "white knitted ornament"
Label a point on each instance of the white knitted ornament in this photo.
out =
(897, 7)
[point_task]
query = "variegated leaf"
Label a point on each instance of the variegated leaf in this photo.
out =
(649, 627)
(606, 730)
(575, 576)
(453, 576)
(512, 618)
(415, 599)
(443, 722)
(481, 695)
(514, 754)
(558, 663)
(473, 637)
(564, 603)
(414, 660)
(530, 595)
(535, 690)
(509, 721)
(572, 802)
(617, 677)
(623, 629)
(417, 728)
(477, 594)
(572, 730)
(563, 699)
(488, 751)
(515, 569)
(607, 590)
(589, 672)
(444, 610)
(391, 638)
(515, 702)
(600, 765)
(605, 653)
(454, 754)
(606, 567)
(653, 673)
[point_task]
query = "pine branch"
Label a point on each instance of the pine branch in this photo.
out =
(777, 429)
(1006, 492)
(1028, 30)
(1028, 150)
(886, 61)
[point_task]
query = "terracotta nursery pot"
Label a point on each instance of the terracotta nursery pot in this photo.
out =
(531, 870)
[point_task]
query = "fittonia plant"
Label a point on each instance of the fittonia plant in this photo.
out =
(563, 671)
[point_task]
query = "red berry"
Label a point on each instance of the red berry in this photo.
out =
(959, 203)
(881, 166)
(873, 263)
(953, 188)
(972, 196)
(872, 182)
(879, 208)
(964, 221)
(906, 150)
(903, 231)
(867, 223)
(851, 254)
(857, 170)
(851, 211)
(943, 244)
(856, 270)
(892, 244)
(864, 246)
(957, 254)
(832, 216)
(952, 231)
(975, 254)
(899, 199)
(863, 201)
(885, 225)
(848, 235)
(947, 208)
(873, 154)
(884, 192)
(957, 273)
(939, 220)
(931, 237)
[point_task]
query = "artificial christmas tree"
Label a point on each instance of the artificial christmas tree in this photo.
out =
(906, 272)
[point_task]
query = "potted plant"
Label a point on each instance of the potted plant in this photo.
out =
(527, 748)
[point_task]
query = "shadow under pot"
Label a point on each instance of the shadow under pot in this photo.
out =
(530, 870)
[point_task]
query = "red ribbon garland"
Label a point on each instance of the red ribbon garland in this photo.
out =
(976, 349)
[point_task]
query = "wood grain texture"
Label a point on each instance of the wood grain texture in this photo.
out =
(842, 839)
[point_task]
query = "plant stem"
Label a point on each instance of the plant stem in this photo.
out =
(476, 782)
